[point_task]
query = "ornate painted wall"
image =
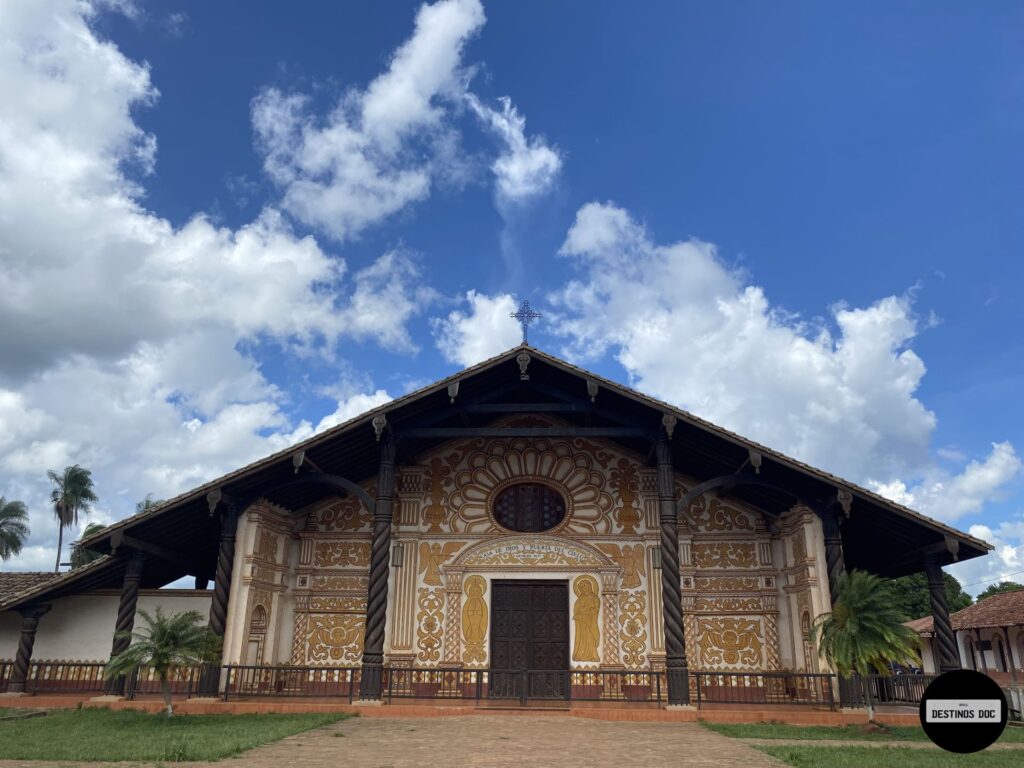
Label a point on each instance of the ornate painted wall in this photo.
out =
(747, 581)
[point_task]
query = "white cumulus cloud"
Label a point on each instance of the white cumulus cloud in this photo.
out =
(527, 167)
(124, 337)
(838, 393)
(484, 330)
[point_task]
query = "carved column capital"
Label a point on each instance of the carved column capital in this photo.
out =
(31, 614)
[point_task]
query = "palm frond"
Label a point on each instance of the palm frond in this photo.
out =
(164, 642)
(865, 631)
(14, 529)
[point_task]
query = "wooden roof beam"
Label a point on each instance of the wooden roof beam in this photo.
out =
(120, 539)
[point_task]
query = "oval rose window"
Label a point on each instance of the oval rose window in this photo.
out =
(529, 508)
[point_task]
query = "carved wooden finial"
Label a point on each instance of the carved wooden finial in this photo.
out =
(213, 498)
(297, 460)
(668, 421)
(755, 460)
(845, 499)
(592, 389)
(524, 362)
(379, 422)
(453, 391)
(953, 546)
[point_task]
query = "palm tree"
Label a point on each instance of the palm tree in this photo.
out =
(865, 631)
(13, 527)
(80, 556)
(178, 640)
(72, 493)
(147, 504)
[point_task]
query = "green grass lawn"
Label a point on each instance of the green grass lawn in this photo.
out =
(103, 734)
(818, 732)
(890, 757)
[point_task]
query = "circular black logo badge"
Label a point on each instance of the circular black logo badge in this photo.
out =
(963, 711)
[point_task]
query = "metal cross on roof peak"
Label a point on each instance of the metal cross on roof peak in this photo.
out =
(525, 315)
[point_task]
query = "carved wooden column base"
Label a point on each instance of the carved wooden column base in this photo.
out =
(371, 678)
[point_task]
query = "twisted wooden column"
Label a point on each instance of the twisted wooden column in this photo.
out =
(830, 521)
(30, 616)
(209, 682)
(225, 564)
(126, 615)
(949, 658)
(380, 555)
(676, 672)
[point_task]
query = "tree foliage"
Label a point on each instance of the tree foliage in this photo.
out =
(165, 642)
(147, 504)
(72, 494)
(998, 589)
(912, 599)
(80, 556)
(864, 633)
(13, 527)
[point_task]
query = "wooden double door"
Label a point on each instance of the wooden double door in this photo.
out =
(529, 640)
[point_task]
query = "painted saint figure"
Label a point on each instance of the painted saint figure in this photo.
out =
(584, 615)
(474, 619)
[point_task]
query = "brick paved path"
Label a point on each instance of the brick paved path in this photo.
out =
(484, 741)
(495, 741)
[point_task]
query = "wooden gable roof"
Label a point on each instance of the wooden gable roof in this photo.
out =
(880, 535)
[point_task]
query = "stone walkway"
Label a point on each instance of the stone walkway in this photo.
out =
(495, 741)
(503, 742)
(489, 741)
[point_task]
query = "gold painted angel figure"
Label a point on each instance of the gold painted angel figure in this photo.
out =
(433, 556)
(584, 616)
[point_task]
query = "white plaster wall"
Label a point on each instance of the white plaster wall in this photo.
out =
(927, 658)
(961, 647)
(81, 627)
(10, 628)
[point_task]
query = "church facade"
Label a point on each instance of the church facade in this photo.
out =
(477, 520)
(522, 516)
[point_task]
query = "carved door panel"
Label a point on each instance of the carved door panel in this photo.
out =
(530, 640)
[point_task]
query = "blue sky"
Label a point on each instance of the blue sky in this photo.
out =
(797, 220)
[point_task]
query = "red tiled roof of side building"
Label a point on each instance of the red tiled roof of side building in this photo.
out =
(15, 582)
(1005, 609)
